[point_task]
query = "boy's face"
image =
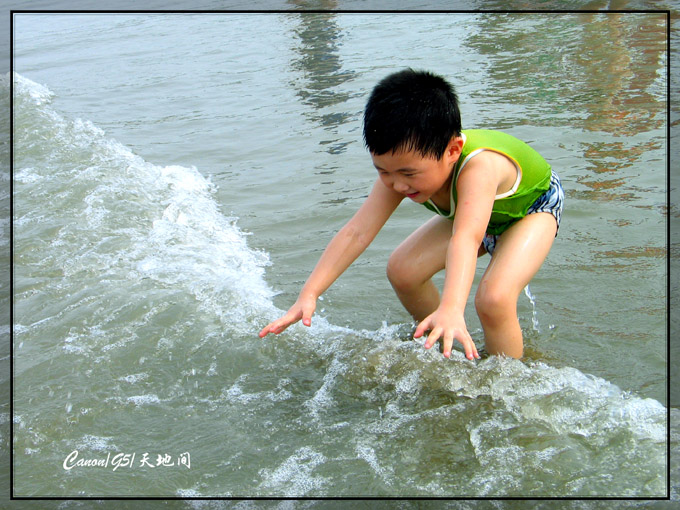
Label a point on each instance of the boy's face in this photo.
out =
(418, 178)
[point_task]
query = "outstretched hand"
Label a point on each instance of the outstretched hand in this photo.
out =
(302, 309)
(448, 327)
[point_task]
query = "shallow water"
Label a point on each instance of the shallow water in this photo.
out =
(170, 200)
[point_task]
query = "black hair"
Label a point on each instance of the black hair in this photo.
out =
(411, 110)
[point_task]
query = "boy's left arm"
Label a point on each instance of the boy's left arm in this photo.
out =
(476, 186)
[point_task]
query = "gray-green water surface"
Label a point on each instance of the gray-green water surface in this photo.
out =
(175, 179)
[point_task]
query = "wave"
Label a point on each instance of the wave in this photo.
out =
(125, 263)
(111, 212)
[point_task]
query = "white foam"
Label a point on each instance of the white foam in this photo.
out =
(214, 504)
(409, 383)
(235, 393)
(322, 398)
(142, 400)
(190, 493)
(194, 245)
(134, 378)
(175, 230)
(27, 175)
(293, 477)
(367, 453)
(96, 443)
(24, 87)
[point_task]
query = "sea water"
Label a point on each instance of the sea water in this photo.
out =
(169, 200)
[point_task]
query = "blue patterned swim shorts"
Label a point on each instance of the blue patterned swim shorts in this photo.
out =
(552, 201)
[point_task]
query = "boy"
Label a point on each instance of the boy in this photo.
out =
(492, 194)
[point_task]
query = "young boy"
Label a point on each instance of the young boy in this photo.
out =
(492, 194)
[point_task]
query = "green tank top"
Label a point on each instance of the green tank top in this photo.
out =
(533, 177)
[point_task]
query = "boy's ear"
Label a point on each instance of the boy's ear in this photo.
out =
(455, 147)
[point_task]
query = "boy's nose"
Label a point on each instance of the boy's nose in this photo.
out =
(400, 187)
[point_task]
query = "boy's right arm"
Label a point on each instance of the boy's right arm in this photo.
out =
(344, 248)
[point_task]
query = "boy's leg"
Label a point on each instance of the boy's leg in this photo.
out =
(413, 263)
(518, 255)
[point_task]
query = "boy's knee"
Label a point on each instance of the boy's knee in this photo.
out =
(398, 272)
(492, 302)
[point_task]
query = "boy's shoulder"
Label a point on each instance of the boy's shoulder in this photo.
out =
(505, 143)
(491, 138)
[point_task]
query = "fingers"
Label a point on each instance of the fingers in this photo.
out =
(292, 316)
(470, 348)
(307, 312)
(274, 327)
(448, 343)
(472, 352)
(465, 340)
(279, 325)
(447, 338)
(432, 337)
(307, 316)
(422, 327)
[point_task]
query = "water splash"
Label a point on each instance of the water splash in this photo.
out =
(113, 219)
(534, 314)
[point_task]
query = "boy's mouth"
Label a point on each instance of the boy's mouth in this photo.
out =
(412, 195)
